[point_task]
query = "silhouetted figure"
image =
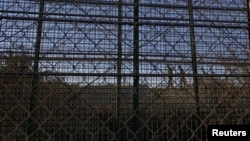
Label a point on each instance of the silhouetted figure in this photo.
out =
(182, 77)
(170, 77)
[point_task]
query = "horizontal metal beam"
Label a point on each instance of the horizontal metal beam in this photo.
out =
(115, 74)
(130, 23)
(125, 17)
(144, 4)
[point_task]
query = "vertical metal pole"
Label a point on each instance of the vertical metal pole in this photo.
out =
(136, 69)
(119, 65)
(248, 20)
(35, 67)
(194, 65)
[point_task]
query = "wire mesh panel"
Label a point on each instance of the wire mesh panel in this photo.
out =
(122, 69)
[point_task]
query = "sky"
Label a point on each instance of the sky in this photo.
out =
(81, 37)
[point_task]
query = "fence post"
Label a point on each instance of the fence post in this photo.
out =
(35, 78)
(136, 69)
(194, 63)
(119, 66)
(248, 19)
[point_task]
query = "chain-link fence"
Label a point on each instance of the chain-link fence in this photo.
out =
(122, 69)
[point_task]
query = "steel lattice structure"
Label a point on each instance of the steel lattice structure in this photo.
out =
(122, 69)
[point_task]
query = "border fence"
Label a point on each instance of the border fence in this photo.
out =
(76, 70)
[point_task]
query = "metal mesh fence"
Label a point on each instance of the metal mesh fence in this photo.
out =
(122, 69)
